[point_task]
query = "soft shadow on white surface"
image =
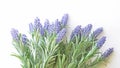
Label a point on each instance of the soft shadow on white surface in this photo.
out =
(17, 14)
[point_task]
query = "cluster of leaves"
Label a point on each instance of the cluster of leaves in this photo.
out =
(48, 46)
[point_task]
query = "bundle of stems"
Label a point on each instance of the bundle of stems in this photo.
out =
(49, 47)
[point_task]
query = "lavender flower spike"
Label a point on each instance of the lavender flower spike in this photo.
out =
(101, 42)
(51, 28)
(57, 26)
(75, 32)
(37, 24)
(24, 39)
(64, 20)
(86, 30)
(60, 35)
(31, 27)
(42, 31)
(46, 24)
(97, 32)
(107, 53)
(14, 33)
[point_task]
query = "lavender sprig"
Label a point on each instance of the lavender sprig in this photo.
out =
(107, 53)
(14, 33)
(97, 32)
(46, 24)
(64, 20)
(51, 28)
(60, 35)
(57, 26)
(42, 31)
(31, 27)
(86, 30)
(24, 39)
(101, 42)
(75, 32)
(37, 24)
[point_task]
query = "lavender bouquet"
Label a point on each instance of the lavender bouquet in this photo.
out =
(48, 46)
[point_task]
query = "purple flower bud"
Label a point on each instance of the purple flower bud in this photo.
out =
(101, 42)
(37, 24)
(60, 35)
(14, 33)
(31, 27)
(51, 28)
(64, 20)
(42, 31)
(57, 26)
(24, 39)
(86, 30)
(46, 24)
(75, 32)
(107, 53)
(97, 32)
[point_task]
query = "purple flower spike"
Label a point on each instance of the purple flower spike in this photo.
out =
(31, 27)
(101, 42)
(64, 20)
(60, 35)
(51, 28)
(46, 24)
(14, 33)
(107, 53)
(42, 31)
(37, 24)
(97, 32)
(57, 26)
(75, 32)
(24, 39)
(86, 30)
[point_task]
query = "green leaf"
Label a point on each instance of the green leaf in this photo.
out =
(72, 65)
(16, 55)
(63, 59)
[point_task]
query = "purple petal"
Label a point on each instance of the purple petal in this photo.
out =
(51, 28)
(31, 27)
(101, 42)
(86, 30)
(42, 31)
(24, 38)
(14, 33)
(46, 24)
(57, 26)
(75, 32)
(97, 32)
(107, 53)
(64, 20)
(37, 24)
(60, 35)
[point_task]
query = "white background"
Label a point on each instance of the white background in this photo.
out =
(19, 13)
